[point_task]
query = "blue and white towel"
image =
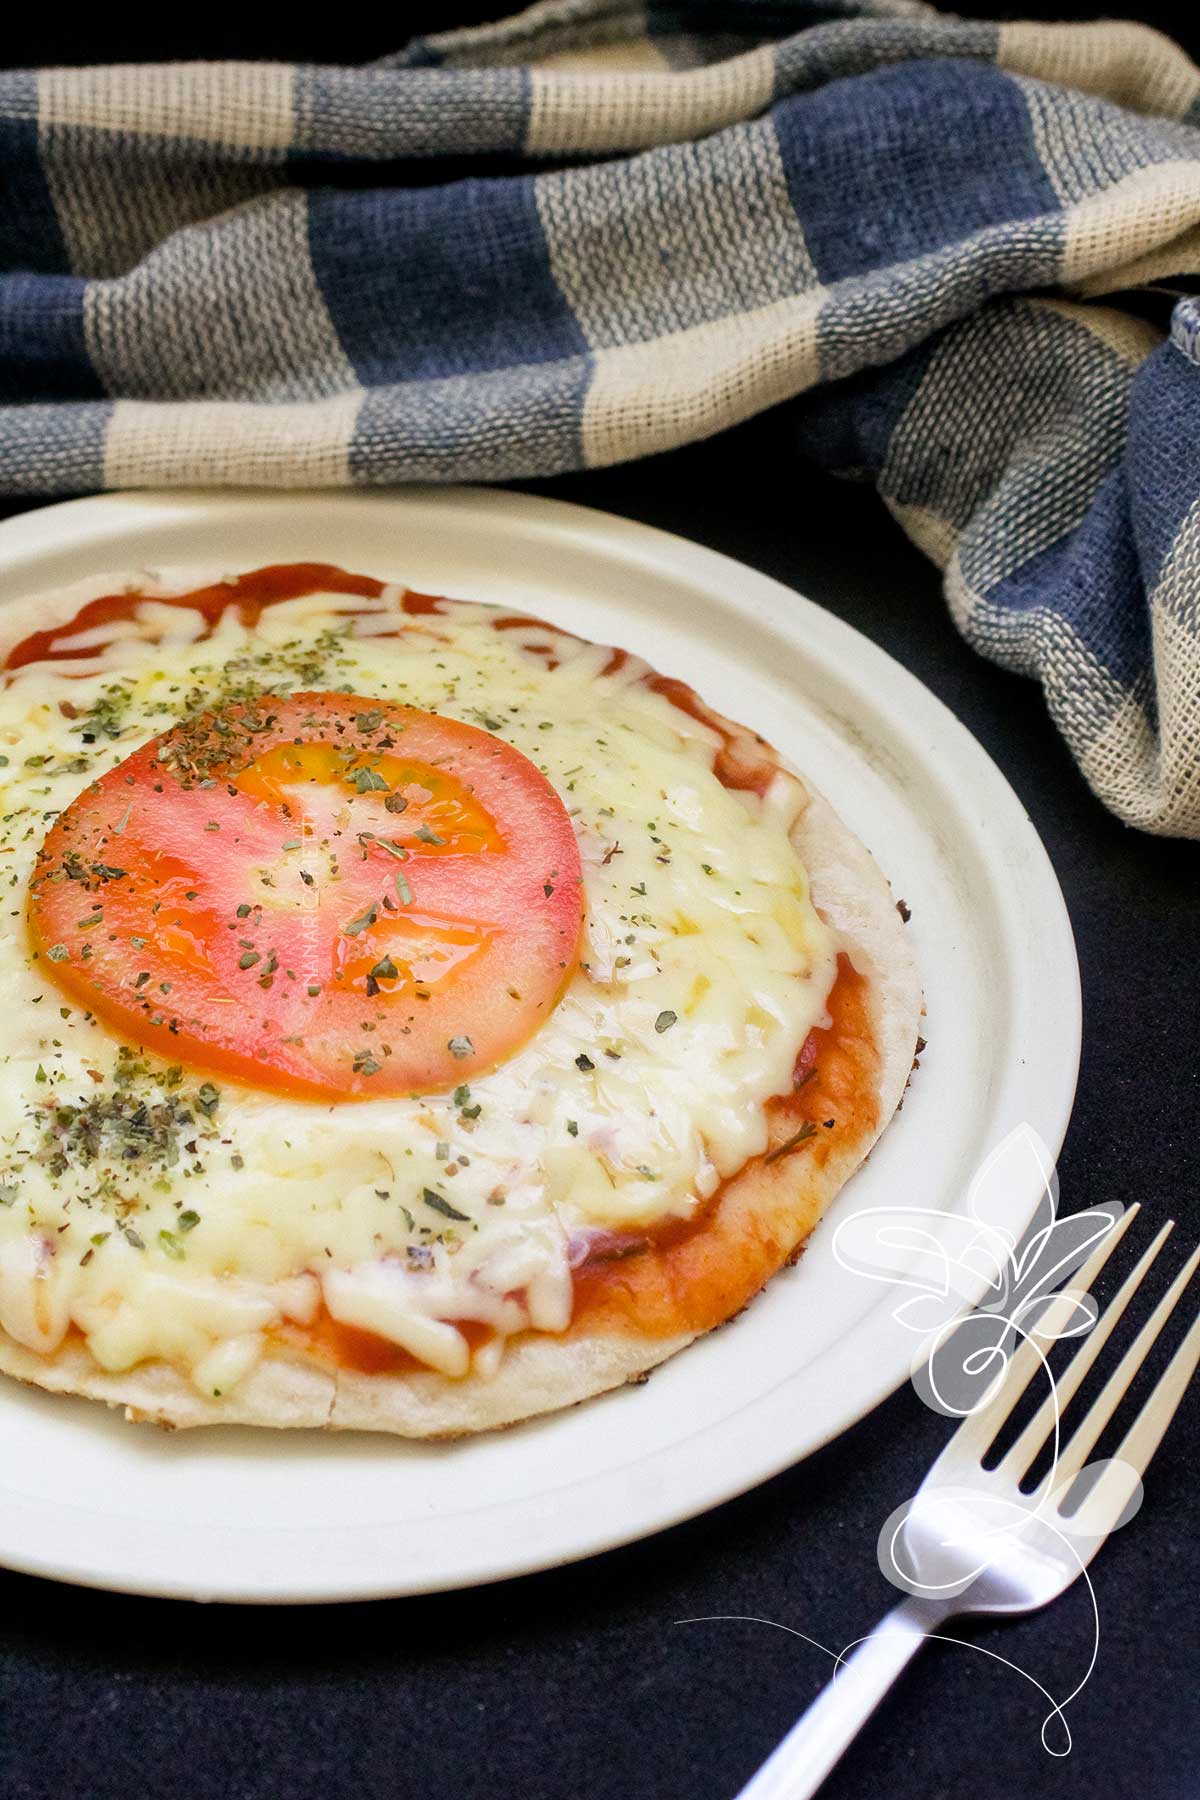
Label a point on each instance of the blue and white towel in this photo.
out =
(607, 227)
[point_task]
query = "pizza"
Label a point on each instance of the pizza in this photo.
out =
(417, 1017)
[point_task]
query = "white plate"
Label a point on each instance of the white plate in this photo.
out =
(254, 1515)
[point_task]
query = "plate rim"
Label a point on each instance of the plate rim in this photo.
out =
(30, 536)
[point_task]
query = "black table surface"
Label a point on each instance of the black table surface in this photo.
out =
(580, 1682)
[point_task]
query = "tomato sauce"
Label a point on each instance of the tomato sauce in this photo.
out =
(250, 594)
(340, 1346)
(743, 760)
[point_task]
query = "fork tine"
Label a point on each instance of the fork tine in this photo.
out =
(1078, 1448)
(1018, 1459)
(979, 1428)
(1146, 1433)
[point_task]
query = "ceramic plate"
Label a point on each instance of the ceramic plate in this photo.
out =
(249, 1515)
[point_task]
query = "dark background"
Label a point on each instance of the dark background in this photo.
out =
(578, 1683)
(309, 35)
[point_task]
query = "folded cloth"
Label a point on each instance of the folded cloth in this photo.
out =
(606, 227)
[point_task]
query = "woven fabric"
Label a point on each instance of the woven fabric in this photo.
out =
(608, 227)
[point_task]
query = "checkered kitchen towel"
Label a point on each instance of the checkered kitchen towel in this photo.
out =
(610, 226)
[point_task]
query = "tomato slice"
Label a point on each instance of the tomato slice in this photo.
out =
(327, 895)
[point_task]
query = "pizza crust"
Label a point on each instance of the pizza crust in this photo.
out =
(541, 1373)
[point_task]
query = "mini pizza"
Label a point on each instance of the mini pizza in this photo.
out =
(416, 1017)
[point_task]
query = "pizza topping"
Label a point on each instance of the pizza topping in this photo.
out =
(262, 904)
(297, 783)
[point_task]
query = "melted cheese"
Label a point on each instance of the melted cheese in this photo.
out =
(705, 967)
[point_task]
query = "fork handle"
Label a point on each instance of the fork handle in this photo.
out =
(796, 1769)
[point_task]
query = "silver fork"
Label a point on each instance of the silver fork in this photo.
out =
(959, 1545)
